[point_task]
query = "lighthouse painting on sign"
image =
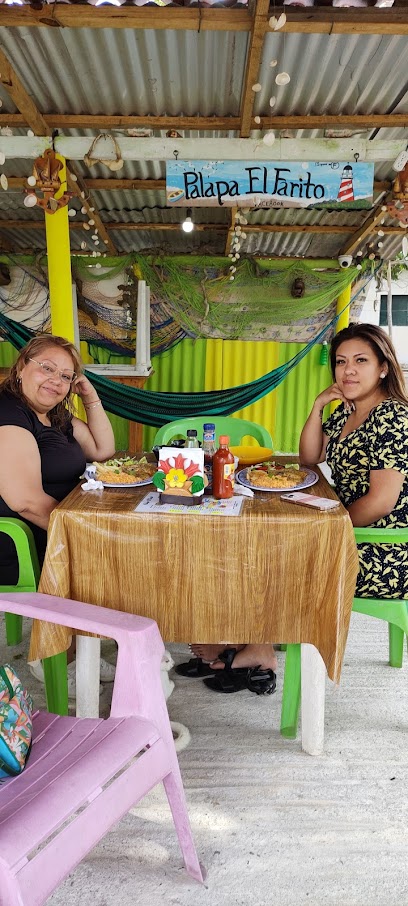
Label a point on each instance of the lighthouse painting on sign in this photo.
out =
(270, 183)
(346, 191)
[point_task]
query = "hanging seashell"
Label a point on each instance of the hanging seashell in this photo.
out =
(84, 210)
(74, 177)
(257, 87)
(30, 200)
(31, 181)
(273, 63)
(30, 133)
(380, 233)
(91, 222)
(269, 138)
(272, 101)
(405, 247)
(2, 158)
(275, 23)
(86, 226)
(4, 182)
(257, 119)
(71, 212)
(282, 78)
(83, 245)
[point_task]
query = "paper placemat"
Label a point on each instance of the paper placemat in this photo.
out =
(209, 506)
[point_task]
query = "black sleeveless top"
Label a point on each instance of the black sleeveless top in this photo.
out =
(62, 463)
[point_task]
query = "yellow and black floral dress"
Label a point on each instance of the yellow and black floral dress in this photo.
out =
(381, 442)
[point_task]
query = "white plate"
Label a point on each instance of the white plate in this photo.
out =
(310, 479)
(128, 484)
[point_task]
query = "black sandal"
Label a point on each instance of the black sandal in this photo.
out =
(228, 680)
(262, 682)
(195, 668)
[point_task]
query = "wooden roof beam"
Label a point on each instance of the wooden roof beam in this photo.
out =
(259, 28)
(316, 20)
(207, 227)
(23, 101)
(366, 228)
(212, 123)
(86, 16)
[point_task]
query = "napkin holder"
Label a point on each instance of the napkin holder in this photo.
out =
(180, 476)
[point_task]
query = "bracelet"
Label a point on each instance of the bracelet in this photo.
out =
(91, 405)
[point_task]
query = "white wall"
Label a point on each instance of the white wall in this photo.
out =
(371, 313)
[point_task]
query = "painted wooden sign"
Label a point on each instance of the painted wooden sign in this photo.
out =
(274, 184)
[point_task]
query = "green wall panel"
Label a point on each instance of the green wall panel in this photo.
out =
(296, 394)
(180, 370)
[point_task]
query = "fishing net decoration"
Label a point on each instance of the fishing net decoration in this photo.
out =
(157, 408)
(206, 303)
(193, 296)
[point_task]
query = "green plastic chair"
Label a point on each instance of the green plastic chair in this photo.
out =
(393, 610)
(235, 428)
(28, 571)
(55, 668)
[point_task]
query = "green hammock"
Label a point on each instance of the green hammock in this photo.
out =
(156, 409)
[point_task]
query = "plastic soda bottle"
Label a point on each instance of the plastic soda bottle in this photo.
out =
(223, 470)
(209, 450)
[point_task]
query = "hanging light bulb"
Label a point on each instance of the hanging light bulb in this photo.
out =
(187, 224)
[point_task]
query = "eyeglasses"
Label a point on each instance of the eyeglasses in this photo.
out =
(67, 377)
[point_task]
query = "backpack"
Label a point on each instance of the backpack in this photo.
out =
(16, 724)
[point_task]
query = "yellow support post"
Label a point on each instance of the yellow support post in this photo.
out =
(59, 265)
(344, 320)
(343, 301)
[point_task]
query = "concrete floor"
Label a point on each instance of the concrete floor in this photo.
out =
(271, 824)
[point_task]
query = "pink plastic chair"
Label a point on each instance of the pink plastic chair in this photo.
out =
(83, 775)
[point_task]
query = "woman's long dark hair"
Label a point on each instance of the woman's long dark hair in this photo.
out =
(393, 384)
(61, 415)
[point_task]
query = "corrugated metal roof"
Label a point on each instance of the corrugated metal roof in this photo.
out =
(148, 72)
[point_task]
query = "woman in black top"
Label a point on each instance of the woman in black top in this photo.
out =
(43, 446)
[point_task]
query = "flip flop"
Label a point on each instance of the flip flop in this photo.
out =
(195, 668)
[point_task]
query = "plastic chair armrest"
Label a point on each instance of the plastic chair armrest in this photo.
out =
(75, 614)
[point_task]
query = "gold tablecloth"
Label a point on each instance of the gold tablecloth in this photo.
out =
(275, 573)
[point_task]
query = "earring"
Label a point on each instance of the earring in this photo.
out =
(383, 375)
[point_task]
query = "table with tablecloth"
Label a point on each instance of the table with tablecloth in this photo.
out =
(276, 573)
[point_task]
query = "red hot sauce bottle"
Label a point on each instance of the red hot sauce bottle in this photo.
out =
(223, 470)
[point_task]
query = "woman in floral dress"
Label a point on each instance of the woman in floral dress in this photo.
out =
(365, 443)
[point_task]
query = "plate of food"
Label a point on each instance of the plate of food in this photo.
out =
(269, 476)
(125, 472)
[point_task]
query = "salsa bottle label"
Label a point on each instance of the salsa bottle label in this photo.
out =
(229, 472)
